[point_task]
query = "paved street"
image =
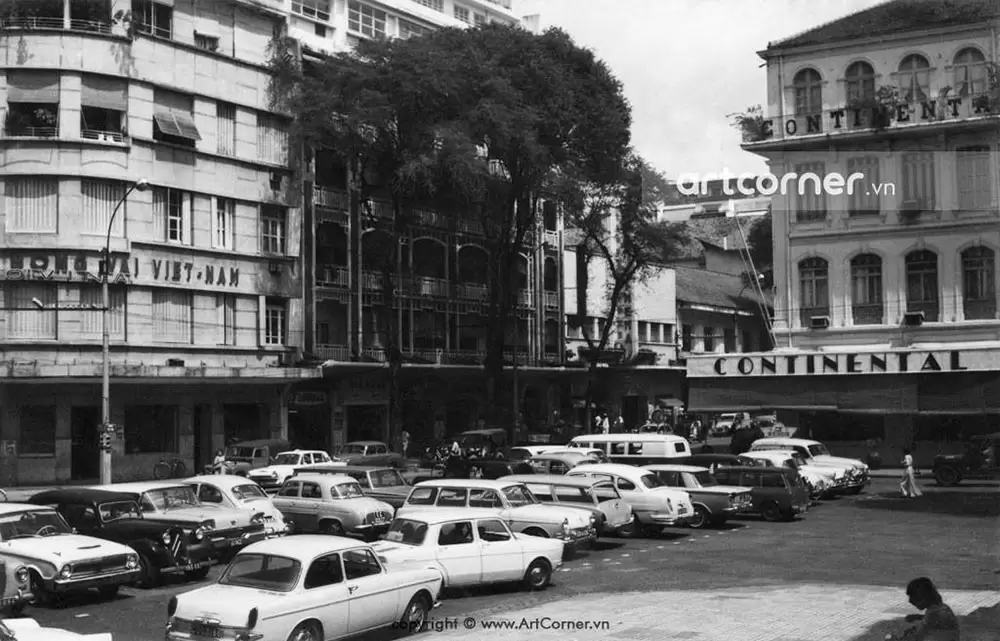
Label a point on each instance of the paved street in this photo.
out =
(831, 576)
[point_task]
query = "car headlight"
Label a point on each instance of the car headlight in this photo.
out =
(66, 572)
(199, 533)
(273, 475)
(257, 518)
(593, 521)
(670, 506)
(21, 575)
(132, 561)
(167, 537)
(565, 527)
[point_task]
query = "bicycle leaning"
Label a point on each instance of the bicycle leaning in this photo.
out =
(172, 469)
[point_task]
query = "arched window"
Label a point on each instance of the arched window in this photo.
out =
(860, 81)
(979, 295)
(814, 289)
(969, 70)
(808, 92)
(922, 284)
(914, 78)
(866, 290)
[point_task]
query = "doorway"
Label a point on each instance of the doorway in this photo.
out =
(202, 436)
(366, 423)
(634, 411)
(85, 464)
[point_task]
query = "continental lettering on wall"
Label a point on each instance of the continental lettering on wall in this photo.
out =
(900, 362)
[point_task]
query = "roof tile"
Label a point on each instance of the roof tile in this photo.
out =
(716, 289)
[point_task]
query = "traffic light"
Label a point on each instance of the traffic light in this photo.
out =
(105, 441)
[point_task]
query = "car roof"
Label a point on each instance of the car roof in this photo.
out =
(554, 479)
(479, 483)
(304, 452)
(334, 468)
(437, 516)
(365, 443)
(80, 495)
(305, 547)
(561, 453)
(492, 430)
(227, 481)
(336, 478)
(788, 440)
(675, 468)
(625, 438)
(608, 468)
(775, 453)
(759, 468)
(140, 486)
(260, 441)
(15, 508)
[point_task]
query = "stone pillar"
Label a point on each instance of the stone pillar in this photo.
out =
(70, 97)
(67, 15)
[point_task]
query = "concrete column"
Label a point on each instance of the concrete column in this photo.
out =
(67, 15)
(218, 426)
(70, 95)
(279, 413)
(64, 442)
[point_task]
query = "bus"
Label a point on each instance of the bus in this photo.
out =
(636, 449)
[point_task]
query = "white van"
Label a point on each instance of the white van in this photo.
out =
(636, 449)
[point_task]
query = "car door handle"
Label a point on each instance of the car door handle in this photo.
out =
(351, 589)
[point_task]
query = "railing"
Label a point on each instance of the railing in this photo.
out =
(464, 357)
(32, 132)
(470, 227)
(525, 298)
(426, 286)
(471, 291)
(517, 355)
(551, 238)
(979, 309)
(330, 197)
(551, 300)
(382, 209)
(335, 216)
(334, 352)
(333, 276)
(868, 314)
(106, 136)
(429, 218)
(371, 280)
(374, 353)
(54, 24)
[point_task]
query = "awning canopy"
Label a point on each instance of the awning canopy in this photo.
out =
(176, 123)
(33, 87)
(104, 92)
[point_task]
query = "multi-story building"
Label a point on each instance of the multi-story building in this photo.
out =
(887, 297)
(204, 271)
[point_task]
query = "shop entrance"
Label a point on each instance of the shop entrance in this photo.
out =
(366, 423)
(84, 461)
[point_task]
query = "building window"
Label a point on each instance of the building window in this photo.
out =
(729, 339)
(866, 289)
(409, 29)
(315, 9)
(224, 223)
(153, 18)
(918, 182)
(25, 320)
(32, 205)
(225, 118)
(225, 304)
(274, 322)
(747, 341)
(860, 79)
(922, 284)
(272, 230)
(808, 92)
(272, 140)
(969, 73)
(687, 336)
(814, 289)
(99, 199)
(150, 429)
(172, 316)
(104, 105)
(975, 184)
(709, 340)
(864, 201)
(37, 430)
(32, 104)
(479, 20)
(914, 78)
(366, 20)
(206, 42)
(463, 14)
(979, 297)
(810, 201)
(437, 5)
(91, 321)
(172, 211)
(643, 332)
(173, 118)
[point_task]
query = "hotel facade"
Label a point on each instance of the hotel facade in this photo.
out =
(885, 320)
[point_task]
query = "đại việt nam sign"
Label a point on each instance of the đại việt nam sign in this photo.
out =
(831, 363)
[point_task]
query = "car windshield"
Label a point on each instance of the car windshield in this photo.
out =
(21, 525)
(705, 479)
(386, 478)
(287, 458)
(263, 572)
(119, 510)
(248, 492)
(651, 481)
(797, 461)
(818, 450)
(519, 495)
(353, 449)
(346, 491)
(170, 498)
(239, 452)
(407, 531)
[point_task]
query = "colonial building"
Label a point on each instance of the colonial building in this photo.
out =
(205, 276)
(886, 295)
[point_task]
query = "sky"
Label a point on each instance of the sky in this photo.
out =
(686, 64)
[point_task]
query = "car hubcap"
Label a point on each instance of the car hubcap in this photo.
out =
(416, 618)
(537, 575)
(305, 635)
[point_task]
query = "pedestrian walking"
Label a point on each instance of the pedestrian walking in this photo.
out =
(219, 463)
(405, 442)
(908, 485)
(938, 622)
(605, 424)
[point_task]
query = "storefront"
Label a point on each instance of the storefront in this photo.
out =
(637, 394)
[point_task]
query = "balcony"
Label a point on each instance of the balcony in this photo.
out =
(472, 291)
(54, 24)
(425, 286)
(551, 300)
(104, 136)
(464, 357)
(332, 276)
(525, 298)
(371, 280)
(518, 355)
(331, 198)
(333, 352)
(551, 239)
(429, 218)
(980, 309)
(381, 209)
(470, 227)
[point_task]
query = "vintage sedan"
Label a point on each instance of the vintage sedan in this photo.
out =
(600, 498)
(243, 456)
(369, 453)
(58, 559)
(713, 503)
(655, 505)
(820, 481)
(168, 502)
(559, 462)
(385, 484)
(332, 504)
(320, 588)
(173, 547)
(817, 454)
(273, 476)
(470, 547)
(30, 630)
(778, 493)
(515, 502)
(15, 592)
(240, 494)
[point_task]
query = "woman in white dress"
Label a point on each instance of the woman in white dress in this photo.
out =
(908, 486)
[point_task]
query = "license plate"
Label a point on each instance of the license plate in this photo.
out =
(203, 630)
(682, 510)
(191, 566)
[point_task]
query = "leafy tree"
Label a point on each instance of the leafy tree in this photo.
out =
(622, 237)
(760, 242)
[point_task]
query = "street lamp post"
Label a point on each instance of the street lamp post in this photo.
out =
(140, 185)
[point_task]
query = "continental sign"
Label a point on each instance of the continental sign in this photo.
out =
(820, 364)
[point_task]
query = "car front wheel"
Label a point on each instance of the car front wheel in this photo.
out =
(415, 615)
(701, 518)
(772, 512)
(538, 575)
(947, 476)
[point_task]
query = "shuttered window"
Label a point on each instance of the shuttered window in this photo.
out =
(172, 316)
(172, 215)
(975, 189)
(33, 87)
(91, 321)
(32, 205)
(98, 201)
(225, 115)
(272, 140)
(173, 118)
(25, 319)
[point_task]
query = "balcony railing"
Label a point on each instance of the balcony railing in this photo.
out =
(371, 280)
(517, 355)
(381, 209)
(374, 353)
(334, 352)
(31, 132)
(980, 309)
(430, 218)
(470, 227)
(551, 238)
(105, 136)
(426, 286)
(333, 276)
(53, 24)
(868, 314)
(330, 197)
(551, 300)
(525, 298)
(464, 357)
(471, 291)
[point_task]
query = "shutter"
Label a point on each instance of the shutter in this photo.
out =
(261, 319)
(33, 87)
(104, 92)
(32, 204)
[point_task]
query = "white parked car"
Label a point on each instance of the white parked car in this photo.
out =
(30, 630)
(238, 493)
(470, 547)
(304, 588)
(724, 424)
(815, 453)
(57, 559)
(821, 481)
(654, 504)
(274, 475)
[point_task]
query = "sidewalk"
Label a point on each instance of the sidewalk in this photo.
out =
(786, 613)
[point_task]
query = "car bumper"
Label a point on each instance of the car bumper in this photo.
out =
(800, 509)
(614, 528)
(229, 541)
(670, 519)
(266, 483)
(123, 577)
(580, 536)
(20, 597)
(369, 530)
(193, 557)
